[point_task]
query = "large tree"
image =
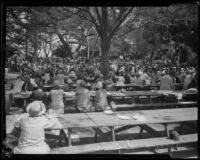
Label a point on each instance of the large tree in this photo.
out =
(107, 21)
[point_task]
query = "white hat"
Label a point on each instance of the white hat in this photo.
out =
(99, 84)
(36, 108)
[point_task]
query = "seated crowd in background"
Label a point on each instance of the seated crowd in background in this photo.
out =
(64, 76)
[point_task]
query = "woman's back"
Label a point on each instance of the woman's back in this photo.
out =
(32, 136)
(83, 99)
(56, 98)
(101, 100)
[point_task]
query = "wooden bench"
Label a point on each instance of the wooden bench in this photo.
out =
(126, 145)
(126, 107)
(122, 107)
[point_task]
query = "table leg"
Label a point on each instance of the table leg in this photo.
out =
(166, 129)
(25, 103)
(60, 137)
(133, 98)
(96, 137)
(180, 129)
(69, 137)
(141, 131)
(113, 133)
(137, 99)
(150, 99)
(170, 151)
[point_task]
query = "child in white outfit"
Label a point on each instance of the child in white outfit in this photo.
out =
(32, 126)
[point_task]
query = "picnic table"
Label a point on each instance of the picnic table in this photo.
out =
(22, 95)
(178, 86)
(160, 116)
(136, 87)
(96, 120)
(133, 94)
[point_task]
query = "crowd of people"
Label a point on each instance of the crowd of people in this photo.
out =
(63, 75)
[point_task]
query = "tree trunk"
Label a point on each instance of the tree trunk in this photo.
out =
(105, 47)
(67, 47)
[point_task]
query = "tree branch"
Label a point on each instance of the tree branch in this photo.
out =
(80, 16)
(94, 21)
(99, 17)
(120, 21)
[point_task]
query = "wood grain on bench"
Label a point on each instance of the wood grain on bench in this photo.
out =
(130, 106)
(125, 144)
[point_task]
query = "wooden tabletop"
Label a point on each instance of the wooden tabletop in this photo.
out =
(136, 93)
(113, 93)
(98, 119)
(134, 85)
(152, 116)
(76, 120)
(157, 104)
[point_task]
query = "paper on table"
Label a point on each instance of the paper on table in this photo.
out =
(108, 112)
(123, 117)
(139, 117)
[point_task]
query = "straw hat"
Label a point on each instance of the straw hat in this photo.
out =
(36, 108)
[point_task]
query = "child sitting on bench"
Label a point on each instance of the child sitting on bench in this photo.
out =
(30, 128)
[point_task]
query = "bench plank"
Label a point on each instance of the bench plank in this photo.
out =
(131, 106)
(145, 143)
(78, 149)
(125, 144)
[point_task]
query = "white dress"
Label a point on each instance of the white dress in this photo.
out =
(32, 136)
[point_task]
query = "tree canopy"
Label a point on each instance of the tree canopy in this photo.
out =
(108, 30)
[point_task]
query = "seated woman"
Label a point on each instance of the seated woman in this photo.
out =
(56, 96)
(137, 80)
(30, 129)
(121, 80)
(100, 102)
(83, 98)
(60, 77)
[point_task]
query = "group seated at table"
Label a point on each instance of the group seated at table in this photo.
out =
(56, 83)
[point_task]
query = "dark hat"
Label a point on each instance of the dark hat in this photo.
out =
(82, 84)
(174, 135)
